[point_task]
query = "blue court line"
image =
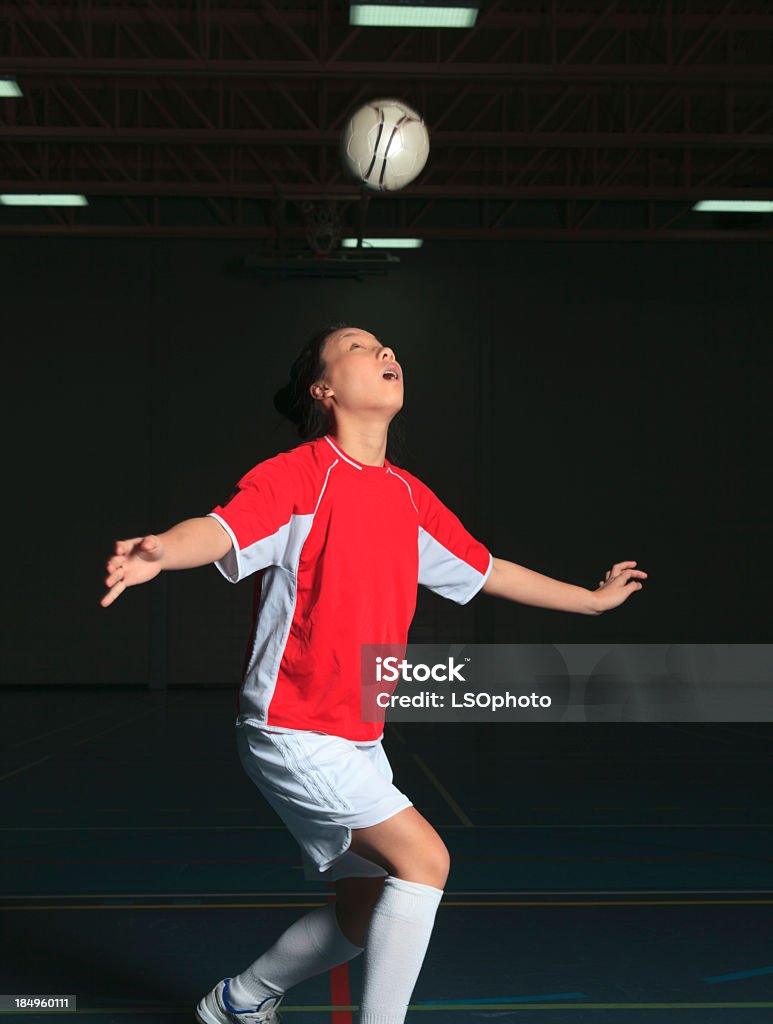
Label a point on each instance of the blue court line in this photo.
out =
(740, 974)
(499, 999)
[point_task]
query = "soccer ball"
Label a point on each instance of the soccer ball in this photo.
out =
(385, 145)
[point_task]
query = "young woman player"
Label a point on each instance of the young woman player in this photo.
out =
(340, 537)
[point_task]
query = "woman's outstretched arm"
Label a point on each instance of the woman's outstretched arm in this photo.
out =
(189, 544)
(517, 583)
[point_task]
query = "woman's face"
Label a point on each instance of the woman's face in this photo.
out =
(360, 374)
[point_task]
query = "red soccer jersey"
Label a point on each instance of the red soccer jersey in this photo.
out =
(340, 548)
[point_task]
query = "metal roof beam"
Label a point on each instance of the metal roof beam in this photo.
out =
(472, 139)
(461, 191)
(741, 74)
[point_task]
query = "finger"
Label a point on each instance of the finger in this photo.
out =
(632, 584)
(123, 547)
(622, 565)
(621, 579)
(112, 594)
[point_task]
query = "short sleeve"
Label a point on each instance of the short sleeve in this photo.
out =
(452, 562)
(257, 517)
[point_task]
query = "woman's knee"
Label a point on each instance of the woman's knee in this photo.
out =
(433, 871)
(406, 846)
(429, 867)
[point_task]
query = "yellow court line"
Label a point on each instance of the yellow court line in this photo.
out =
(636, 895)
(598, 903)
(595, 1006)
(446, 1007)
(443, 903)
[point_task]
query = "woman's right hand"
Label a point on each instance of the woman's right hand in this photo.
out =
(136, 560)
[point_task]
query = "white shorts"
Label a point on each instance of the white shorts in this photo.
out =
(322, 787)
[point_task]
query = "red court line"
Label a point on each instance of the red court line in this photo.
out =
(340, 994)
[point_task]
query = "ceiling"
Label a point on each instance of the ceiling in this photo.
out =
(548, 120)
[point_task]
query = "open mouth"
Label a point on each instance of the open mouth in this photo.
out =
(390, 375)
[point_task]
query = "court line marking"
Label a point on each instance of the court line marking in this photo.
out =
(589, 1006)
(673, 727)
(754, 973)
(390, 727)
(78, 743)
(501, 999)
(135, 1010)
(455, 807)
(751, 735)
(306, 893)
(53, 732)
(25, 767)
(340, 989)
(290, 860)
(709, 826)
(311, 902)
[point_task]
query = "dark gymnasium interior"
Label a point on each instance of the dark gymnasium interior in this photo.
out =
(586, 336)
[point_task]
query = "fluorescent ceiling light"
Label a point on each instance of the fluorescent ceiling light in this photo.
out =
(413, 15)
(57, 199)
(734, 206)
(383, 243)
(9, 89)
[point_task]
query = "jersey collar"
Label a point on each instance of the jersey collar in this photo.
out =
(352, 461)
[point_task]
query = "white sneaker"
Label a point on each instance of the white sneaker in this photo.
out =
(216, 1008)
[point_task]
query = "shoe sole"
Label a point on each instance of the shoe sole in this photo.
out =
(204, 1020)
(201, 1020)
(209, 1019)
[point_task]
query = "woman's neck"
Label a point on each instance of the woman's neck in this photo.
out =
(365, 444)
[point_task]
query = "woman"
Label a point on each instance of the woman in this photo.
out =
(339, 538)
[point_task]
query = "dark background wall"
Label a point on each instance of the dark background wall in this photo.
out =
(574, 404)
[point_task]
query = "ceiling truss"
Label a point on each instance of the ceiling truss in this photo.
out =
(222, 119)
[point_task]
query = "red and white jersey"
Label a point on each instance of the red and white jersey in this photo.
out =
(340, 548)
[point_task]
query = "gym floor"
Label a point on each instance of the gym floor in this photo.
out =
(610, 872)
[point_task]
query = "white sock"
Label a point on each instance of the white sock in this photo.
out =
(312, 944)
(396, 944)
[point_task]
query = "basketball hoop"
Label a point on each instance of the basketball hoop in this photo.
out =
(322, 222)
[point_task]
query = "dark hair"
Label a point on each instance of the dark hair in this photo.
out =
(294, 399)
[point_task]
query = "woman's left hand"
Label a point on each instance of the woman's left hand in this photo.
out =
(616, 586)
